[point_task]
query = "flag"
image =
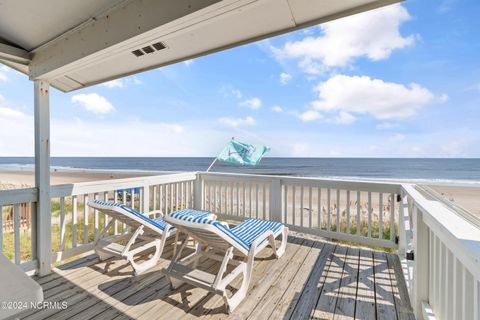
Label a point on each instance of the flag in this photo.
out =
(242, 154)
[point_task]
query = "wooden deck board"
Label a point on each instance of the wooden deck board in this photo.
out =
(314, 279)
(383, 288)
(325, 308)
(265, 268)
(314, 285)
(285, 291)
(345, 307)
(365, 305)
(400, 291)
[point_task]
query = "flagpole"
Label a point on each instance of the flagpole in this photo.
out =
(211, 165)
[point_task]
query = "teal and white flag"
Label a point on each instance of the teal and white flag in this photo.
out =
(242, 154)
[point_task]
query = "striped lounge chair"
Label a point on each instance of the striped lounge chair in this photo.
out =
(148, 233)
(215, 240)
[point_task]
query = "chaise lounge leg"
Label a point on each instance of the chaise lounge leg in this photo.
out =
(232, 302)
(281, 250)
(139, 268)
(97, 246)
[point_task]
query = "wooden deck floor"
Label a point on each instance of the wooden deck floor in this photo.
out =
(314, 279)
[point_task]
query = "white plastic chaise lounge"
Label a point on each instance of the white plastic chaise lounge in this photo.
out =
(154, 233)
(215, 240)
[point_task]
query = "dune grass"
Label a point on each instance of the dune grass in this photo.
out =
(25, 235)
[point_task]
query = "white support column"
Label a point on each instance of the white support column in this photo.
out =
(421, 267)
(42, 176)
(276, 200)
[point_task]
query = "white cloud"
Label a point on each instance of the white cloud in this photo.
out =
(228, 90)
(445, 6)
(344, 118)
(364, 95)
(372, 34)
(397, 137)
(386, 125)
(237, 122)
(117, 83)
(175, 128)
(8, 113)
(136, 81)
(74, 137)
(93, 102)
(443, 98)
(310, 115)
(454, 149)
(16, 132)
(285, 78)
(252, 103)
(237, 93)
(276, 109)
(122, 83)
(188, 62)
(3, 72)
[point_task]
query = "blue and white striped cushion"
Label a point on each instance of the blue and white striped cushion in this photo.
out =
(250, 229)
(157, 222)
(244, 234)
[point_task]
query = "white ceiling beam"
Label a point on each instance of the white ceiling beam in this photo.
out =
(14, 54)
(131, 21)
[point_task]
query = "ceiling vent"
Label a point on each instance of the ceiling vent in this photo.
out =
(149, 49)
(159, 46)
(138, 53)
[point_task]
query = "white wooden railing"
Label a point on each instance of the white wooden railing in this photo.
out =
(363, 212)
(166, 193)
(443, 277)
(24, 256)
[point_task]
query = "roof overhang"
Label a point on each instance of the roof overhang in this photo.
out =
(86, 42)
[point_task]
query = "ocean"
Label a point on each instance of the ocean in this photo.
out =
(436, 170)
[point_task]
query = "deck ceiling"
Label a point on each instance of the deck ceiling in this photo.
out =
(78, 43)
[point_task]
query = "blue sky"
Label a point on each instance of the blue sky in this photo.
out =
(402, 81)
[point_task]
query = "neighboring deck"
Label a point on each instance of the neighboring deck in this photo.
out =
(314, 279)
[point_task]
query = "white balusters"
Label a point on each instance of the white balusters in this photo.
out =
(347, 224)
(62, 224)
(1, 230)
(85, 218)
(329, 210)
(74, 220)
(16, 228)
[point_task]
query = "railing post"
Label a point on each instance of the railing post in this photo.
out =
(420, 266)
(42, 176)
(276, 200)
(146, 198)
(198, 192)
(402, 220)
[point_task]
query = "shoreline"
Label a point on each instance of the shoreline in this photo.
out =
(465, 194)
(77, 174)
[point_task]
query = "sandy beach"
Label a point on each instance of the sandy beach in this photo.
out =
(468, 197)
(24, 179)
